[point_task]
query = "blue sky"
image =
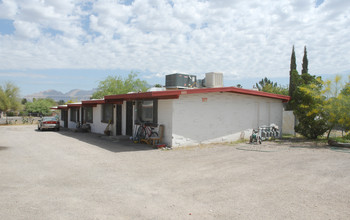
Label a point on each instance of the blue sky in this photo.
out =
(66, 44)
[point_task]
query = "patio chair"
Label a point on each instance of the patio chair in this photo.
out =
(157, 140)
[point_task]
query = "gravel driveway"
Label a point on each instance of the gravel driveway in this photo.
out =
(67, 175)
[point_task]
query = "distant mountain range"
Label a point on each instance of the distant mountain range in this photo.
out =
(75, 95)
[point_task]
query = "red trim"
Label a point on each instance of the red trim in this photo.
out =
(61, 107)
(112, 101)
(89, 105)
(93, 102)
(174, 94)
(74, 105)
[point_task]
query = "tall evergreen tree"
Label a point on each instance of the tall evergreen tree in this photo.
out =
(305, 63)
(293, 77)
(293, 66)
(306, 77)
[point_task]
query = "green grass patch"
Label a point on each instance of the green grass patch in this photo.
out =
(340, 139)
(240, 141)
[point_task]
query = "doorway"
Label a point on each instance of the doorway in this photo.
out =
(119, 120)
(65, 115)
(129, 118)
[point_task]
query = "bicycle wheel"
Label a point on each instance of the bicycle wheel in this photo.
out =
(154, 134)
(141, 133)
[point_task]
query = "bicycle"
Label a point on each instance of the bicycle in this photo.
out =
(144, 131)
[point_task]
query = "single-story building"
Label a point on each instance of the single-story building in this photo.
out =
(189, 116)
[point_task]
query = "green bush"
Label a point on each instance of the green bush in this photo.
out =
(10, 114)
(347, 136)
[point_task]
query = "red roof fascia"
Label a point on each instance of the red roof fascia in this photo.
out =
(174, 94)
(112, 101)
(62, 107)
(144, 95)
(93, 103)
(89, 105)
(74, 105)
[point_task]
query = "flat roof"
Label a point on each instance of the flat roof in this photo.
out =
(72, 105)
(175, 94)
(92, 102)
(60, 107)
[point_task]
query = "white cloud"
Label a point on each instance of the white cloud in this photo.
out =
(240, 38)
(8, 9)
(22, 75)
(26, 29)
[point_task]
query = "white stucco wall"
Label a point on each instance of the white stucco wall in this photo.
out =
(61, 121)
(165, 111)
(97, 126)
(220, 117)
(124, 118)
(288, 122)
(72, 124)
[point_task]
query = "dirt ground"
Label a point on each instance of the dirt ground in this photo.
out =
(67, 175)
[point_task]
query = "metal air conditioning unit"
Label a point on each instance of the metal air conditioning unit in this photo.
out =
(213, 79)
(180, 81)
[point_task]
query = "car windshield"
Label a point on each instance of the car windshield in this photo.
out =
(49, 119)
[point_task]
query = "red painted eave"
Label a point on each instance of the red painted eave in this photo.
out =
(93, 102)
(174, 94)
(60, 107)
(144, 95)
(74, 105)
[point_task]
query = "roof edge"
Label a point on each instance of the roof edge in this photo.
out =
(171, 94)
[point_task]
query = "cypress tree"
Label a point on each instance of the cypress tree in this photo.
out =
(293, 81)
(305, 62)
(305, 76)
(293, 66)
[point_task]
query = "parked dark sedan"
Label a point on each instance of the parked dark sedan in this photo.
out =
(49, 123)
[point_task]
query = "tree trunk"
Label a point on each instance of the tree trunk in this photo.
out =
(329, 132)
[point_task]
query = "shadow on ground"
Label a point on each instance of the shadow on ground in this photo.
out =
(114, 144)
(3, 148)
(307, 144)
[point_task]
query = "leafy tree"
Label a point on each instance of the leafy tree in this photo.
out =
(61, 102)
(344, 97)
(310, 109)
(263, 82)
(294, 83)
(346, 88)
(337, 104)
(239, 86)
(9, 98)
(114, 85)
(71, 101)
(24, 101)
(316, 104)
(40, 106)
(158, 85)
(267, 85)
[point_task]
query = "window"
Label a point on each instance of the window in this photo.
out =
(107, 113)
(73, 114)
(147, 111)
(88, 114)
